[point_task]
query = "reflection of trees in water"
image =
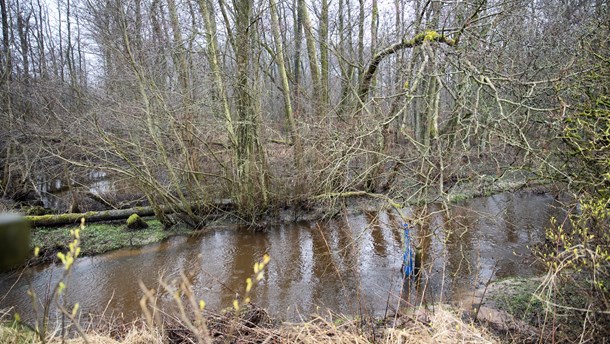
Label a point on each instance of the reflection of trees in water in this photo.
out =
(336, 265)
(420, 289)
(459, 226)
(444, 237)
(289, 261)
(216, 252)
(509, 219)
(376, 230)
(395, 223)
(511, 226)
(249, 248)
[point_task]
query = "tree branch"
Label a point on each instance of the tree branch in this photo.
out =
(419, 39)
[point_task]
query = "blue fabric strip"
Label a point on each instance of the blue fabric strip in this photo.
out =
(407, 257)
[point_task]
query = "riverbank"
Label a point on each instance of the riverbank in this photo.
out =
(539, 309)
(441, 324)
(299, 261)
(511, 311)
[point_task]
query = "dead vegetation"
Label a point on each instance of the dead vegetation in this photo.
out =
(443, 325)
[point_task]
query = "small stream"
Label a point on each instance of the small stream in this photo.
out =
(349, 265)
(53, 192)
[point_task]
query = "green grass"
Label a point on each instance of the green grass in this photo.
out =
(517, 299)
(11, 332)
(99, 238)
(574, 296)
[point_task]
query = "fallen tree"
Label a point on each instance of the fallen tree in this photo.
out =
(118, 214)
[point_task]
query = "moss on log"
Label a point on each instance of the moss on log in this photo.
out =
(91, 216)
(117, 214)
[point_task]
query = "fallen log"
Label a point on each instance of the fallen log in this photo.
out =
(115, 214)
(91, 216)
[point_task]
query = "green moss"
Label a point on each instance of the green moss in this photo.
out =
(517, 298)
(132, 219)
(58, 218)
(98, 238)
(457, 198)
(418, 38)
(431, 35)
(135, 222)
(525, 300)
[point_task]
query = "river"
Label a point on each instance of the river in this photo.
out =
(348, 265)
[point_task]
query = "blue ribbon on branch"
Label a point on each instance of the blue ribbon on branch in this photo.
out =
(408, 256)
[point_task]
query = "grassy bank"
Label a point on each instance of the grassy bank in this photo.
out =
(547, 308)
(98, 238)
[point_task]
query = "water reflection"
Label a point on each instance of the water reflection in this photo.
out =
(350, 265)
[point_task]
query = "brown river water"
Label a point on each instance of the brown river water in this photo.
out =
(348, 265)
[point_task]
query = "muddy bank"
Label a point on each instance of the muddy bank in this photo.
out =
(538, 309)
(320, 206)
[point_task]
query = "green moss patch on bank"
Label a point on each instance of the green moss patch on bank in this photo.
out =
(517, 297)
(99, 238)
(559, 307)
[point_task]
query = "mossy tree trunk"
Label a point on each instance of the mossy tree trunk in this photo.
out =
(121, 214)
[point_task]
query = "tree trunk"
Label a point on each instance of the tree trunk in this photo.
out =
(118, 214)
(247, 141)
(279, 57)
(323, 37)
(185, 119)
(298, 41)
(365, 83)
(360, 61)
(313, 56)
(214, 60)
(6, 72)
(5, 102)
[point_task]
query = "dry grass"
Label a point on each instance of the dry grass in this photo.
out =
(443, 325)
(446, 326)
(135, 336)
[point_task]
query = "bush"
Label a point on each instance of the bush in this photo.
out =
(577, 250)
